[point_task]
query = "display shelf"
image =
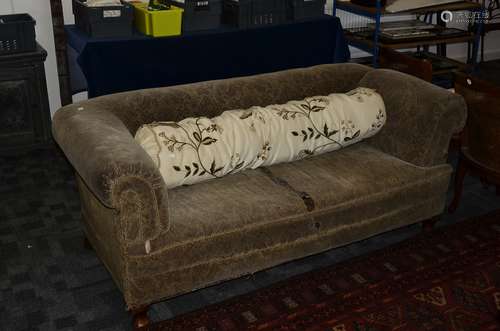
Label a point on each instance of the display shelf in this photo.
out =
(372, 45)
(367, 44)
(372, 11)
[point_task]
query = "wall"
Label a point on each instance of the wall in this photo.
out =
(40, 10)
(68, 12)
(6, 6)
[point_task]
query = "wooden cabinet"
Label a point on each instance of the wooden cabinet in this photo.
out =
(24, 107)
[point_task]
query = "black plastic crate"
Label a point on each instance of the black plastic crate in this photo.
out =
(200, 14)
(299, 10)
(254, 13)
(109, 21)
(17, 33)
(369, 3)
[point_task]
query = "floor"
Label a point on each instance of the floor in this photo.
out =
(48, 281)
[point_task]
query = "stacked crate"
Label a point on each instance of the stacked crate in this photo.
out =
(254, 13)
(158, 23)
(299, 10)
(199, 14)
(109, 21)
(114, 21)
(17, 34)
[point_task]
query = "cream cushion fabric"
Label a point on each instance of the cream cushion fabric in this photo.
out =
(198, 149)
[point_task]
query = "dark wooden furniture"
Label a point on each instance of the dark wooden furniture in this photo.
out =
(61, 51)
(422, 64)
(392, 59)
(24, 106)
(480, 150)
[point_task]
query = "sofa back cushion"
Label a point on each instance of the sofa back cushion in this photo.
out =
(210, 99)
(199, 148)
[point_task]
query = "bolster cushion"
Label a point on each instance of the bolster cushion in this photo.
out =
(198, 149)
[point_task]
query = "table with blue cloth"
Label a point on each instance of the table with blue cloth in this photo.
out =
(111, 65)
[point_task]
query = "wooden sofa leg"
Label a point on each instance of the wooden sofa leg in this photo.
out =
(429, 224)
(140, 318)
(484, 182)
(87, 245)
(459, 185)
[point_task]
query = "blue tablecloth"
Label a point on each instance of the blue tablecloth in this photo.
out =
(136, 62)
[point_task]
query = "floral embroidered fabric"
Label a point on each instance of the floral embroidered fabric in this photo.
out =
(197, 149)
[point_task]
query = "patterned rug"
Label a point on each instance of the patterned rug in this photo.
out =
(445, 280)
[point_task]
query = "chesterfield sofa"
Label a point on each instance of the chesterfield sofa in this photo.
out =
(160, 243)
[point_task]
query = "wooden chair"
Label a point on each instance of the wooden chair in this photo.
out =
(480, 150)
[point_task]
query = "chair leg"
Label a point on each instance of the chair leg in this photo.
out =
(459, 185)
(429, 224)
(140, 318)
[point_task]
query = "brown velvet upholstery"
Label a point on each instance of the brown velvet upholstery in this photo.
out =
(221, 229)
(421, 117)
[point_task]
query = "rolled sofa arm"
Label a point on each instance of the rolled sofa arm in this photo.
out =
(115, 168)
(421, 117)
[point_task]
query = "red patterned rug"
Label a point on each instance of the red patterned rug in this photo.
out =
(445, 280)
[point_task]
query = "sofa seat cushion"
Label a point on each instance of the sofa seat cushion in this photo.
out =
(229, 204)
(356, 174)
(264, 212)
